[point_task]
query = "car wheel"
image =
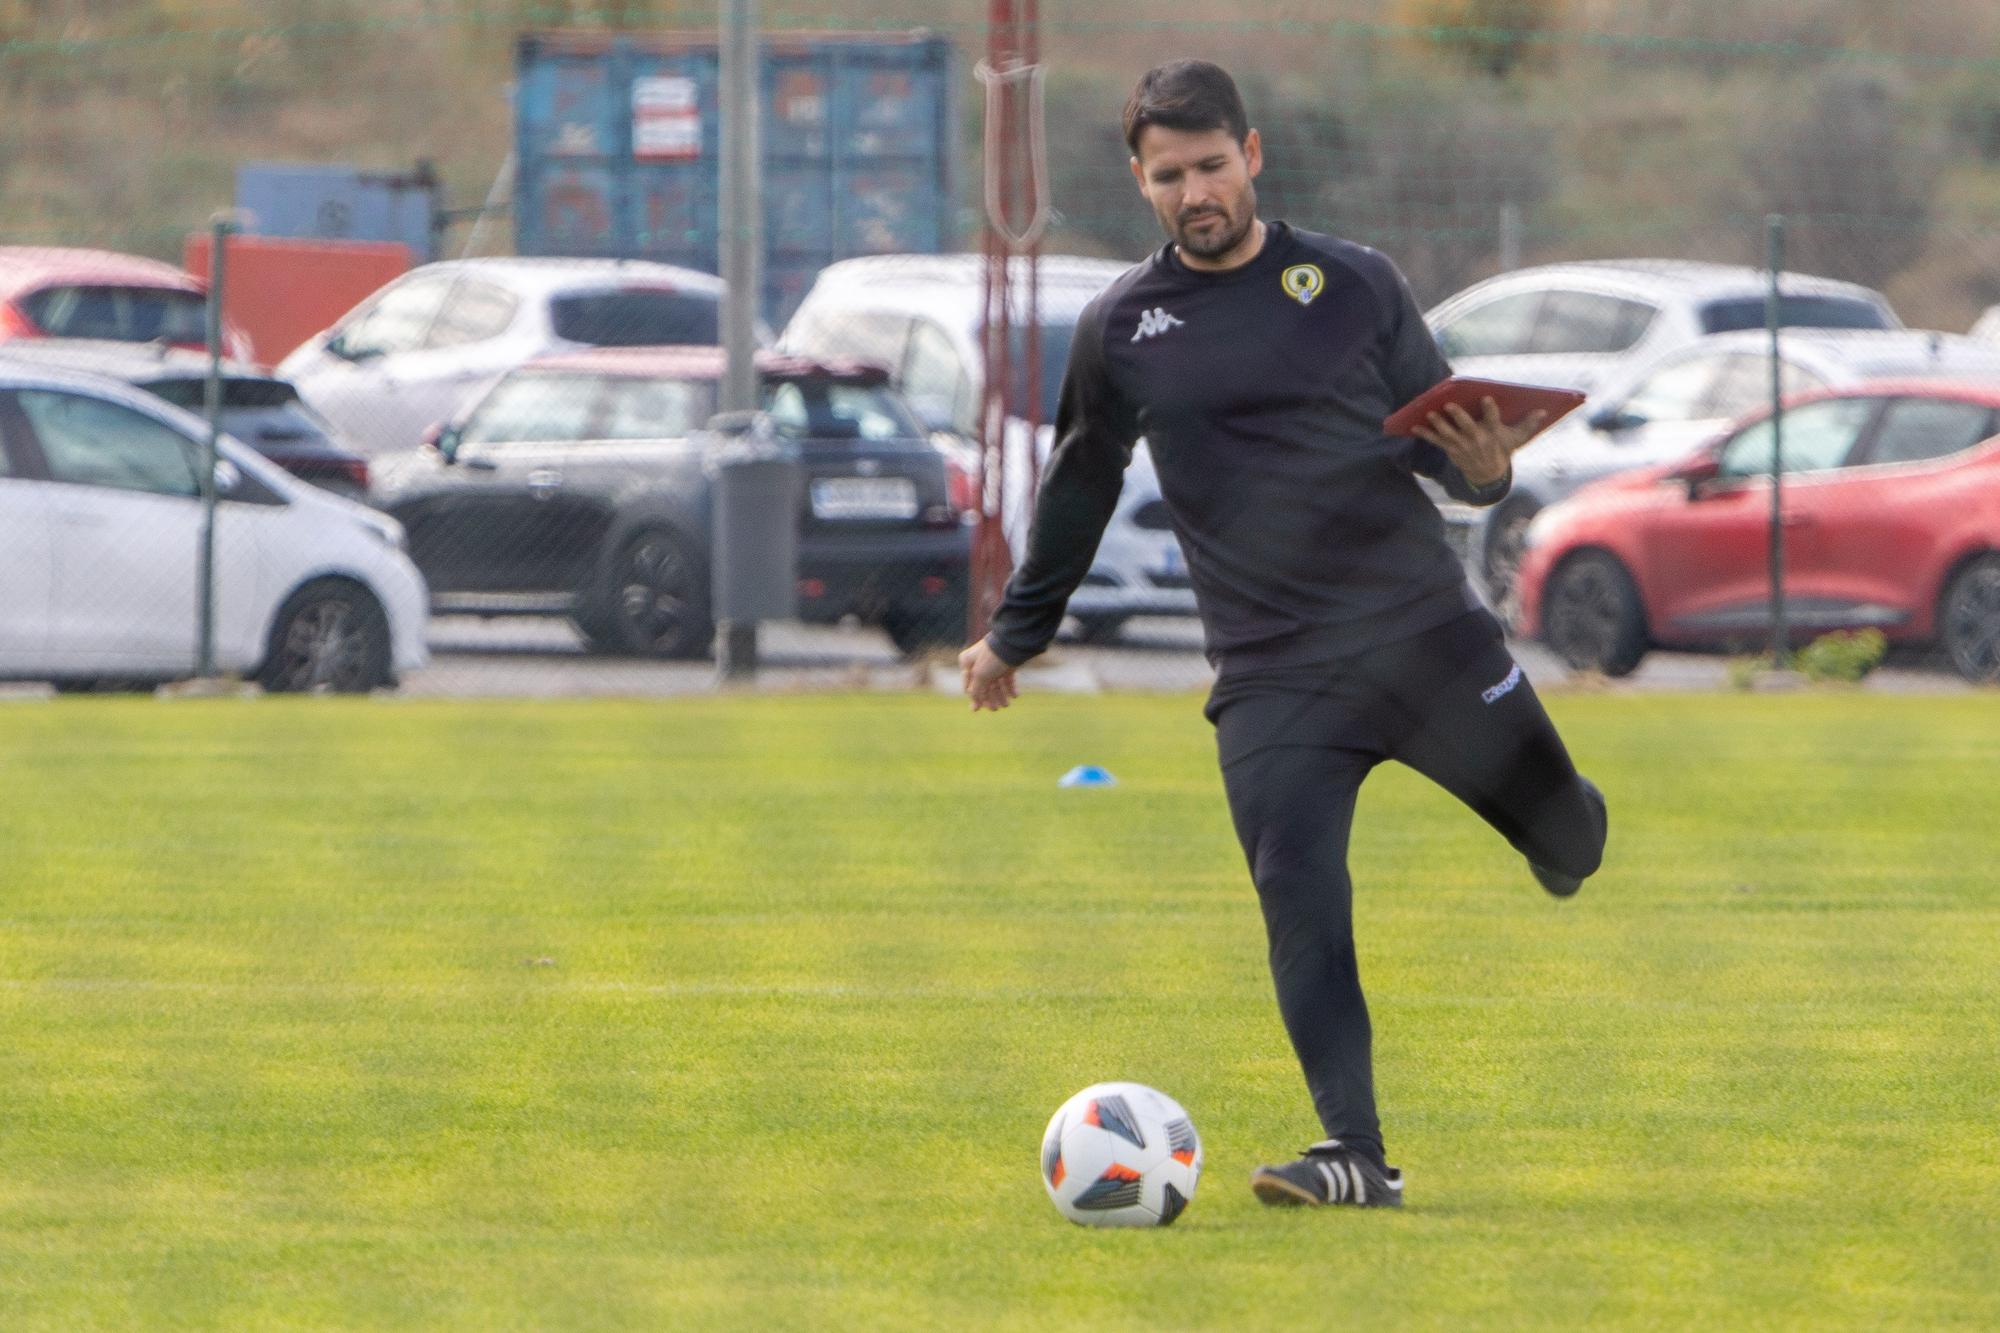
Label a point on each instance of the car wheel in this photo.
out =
(1591, 615)
(1969, 620)
(652, 601)
(1100, 629)
(923, 627)
(1506, 542)
(330, 637)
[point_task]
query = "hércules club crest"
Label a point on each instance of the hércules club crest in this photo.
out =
(1302, 282)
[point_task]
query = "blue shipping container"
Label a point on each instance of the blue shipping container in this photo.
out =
(618, 150)
(340, 203)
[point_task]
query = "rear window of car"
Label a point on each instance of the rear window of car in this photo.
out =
(1794, 312)
(637, 318)
(553, 407)
(192, 393)
(122, 314)
(832, 410)
(256, 411)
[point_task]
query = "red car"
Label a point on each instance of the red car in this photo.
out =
(1891, 519)
(62, 292)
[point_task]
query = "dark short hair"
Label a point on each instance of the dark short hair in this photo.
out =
(1185, 95)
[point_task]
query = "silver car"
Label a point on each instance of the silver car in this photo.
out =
(1664, 410)
(425, 345)
(1579, 325)
(919, 315)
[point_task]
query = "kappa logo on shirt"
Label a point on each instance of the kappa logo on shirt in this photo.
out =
(1154, 322)
(1494, 693)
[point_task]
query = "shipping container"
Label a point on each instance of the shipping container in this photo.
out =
(618, 150)
(341, 203)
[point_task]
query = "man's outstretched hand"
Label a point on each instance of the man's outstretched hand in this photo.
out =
(989, 682)
(1482, 448)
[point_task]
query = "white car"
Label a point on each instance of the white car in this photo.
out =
(433, 340)
(100, 533)
(1578, 325)
(919, 315)
(1663, 411)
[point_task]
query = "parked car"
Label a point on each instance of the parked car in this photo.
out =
(440, 336)
(576, 487)
(1660, 412)
(261, 410)
(1574, 326)
(919, 315)
(1891, 515)
(69, 292)
(100, 524)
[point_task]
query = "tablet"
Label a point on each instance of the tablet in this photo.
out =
(1515, 401)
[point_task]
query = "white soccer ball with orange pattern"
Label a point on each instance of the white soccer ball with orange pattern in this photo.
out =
(1121, 1155)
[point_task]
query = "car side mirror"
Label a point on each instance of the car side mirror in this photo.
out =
(1696, 475)
(444, 439)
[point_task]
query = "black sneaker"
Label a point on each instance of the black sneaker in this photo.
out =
(1330, 1172)
(1555, 881)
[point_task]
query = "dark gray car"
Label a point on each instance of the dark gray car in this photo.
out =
(577, 487)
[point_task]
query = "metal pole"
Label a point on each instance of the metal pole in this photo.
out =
(212, 399)
(742, 234)
(1510, 237)
(1773, 318)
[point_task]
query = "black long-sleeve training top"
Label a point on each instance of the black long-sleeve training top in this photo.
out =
(1260, 392)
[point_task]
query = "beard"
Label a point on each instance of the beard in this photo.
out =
(1218, 240)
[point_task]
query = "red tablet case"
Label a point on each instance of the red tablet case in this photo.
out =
(1515, 401)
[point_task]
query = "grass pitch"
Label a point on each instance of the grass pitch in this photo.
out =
(749, 1013)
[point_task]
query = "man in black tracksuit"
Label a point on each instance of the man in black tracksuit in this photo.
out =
(1258, 361)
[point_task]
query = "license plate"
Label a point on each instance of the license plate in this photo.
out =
(864, 497)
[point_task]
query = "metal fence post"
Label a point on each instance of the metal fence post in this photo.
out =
(220, 230)
(1511, 228)
(742, 235)
(1773, 318)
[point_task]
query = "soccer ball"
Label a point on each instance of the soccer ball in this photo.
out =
(1121, 1155)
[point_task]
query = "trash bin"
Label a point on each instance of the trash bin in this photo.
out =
(756, 479)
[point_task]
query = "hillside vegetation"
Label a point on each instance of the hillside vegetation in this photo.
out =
(1615, 127)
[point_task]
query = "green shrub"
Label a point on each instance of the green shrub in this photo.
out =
(1846, 656)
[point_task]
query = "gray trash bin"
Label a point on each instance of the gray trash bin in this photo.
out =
(757, 478)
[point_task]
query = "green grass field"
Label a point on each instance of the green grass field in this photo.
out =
(749, 1013)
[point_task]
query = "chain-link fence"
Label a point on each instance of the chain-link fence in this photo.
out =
(484, 308)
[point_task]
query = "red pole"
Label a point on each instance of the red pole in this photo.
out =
(1011, 244)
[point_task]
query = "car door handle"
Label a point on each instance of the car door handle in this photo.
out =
(545, 479)
(1798, 520)
(77, 518)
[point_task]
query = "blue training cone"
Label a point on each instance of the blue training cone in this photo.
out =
(1087, 775)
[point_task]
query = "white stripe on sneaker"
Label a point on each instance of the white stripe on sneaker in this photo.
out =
(1360, 1190)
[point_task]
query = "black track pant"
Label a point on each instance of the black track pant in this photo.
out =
(1295, 744)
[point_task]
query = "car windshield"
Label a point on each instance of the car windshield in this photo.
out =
(555, 406)
(1794, 312)
(638, 317)
(831, 410)
(122, 314)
